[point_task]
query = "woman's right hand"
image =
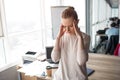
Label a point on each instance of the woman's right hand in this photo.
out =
(61, 31)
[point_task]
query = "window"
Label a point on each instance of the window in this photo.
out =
(95, 11)
(101, 12)
(23, 20)
(114, 12)
(2, 60)
(48, 24)
(0, 20)
(28, 27)
(2, 42)
(0, 28)
(109, 11)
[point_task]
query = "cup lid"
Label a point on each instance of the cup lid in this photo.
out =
(48, 67)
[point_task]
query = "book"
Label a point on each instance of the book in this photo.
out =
(90, 71)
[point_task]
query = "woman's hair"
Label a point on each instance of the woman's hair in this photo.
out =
(70, 13)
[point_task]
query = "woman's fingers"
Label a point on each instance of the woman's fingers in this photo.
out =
(75, 27)
(62, 28)
(61, 31)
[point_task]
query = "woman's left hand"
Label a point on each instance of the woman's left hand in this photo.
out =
(79, 35)
(76, 29)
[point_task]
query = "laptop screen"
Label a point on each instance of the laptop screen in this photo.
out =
(48, 52)
(48, 55)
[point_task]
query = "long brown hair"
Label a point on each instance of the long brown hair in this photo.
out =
(70, 13)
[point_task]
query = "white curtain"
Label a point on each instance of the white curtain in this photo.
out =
(0, 20)
(2, 34)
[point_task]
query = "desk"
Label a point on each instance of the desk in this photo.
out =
(106, 67)
(34, 71)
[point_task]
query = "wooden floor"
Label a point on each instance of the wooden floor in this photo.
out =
(106, 67)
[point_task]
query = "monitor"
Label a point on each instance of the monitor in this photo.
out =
(48, 54)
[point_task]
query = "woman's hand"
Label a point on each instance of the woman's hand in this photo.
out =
(79, 35)
(76, 29)
(61, 31)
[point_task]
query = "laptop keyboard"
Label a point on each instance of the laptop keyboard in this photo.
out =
(51, 62)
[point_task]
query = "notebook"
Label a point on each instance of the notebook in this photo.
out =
(48, 55)
(89, 71)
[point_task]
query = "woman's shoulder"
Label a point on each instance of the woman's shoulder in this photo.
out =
(85, 35)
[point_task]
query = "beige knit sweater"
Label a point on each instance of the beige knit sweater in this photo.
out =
(72, 60)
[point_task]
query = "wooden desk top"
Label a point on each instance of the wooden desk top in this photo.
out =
(106, 67)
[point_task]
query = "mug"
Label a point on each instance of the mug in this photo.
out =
(49, 71)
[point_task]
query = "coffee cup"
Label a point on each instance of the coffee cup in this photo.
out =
(49, 71)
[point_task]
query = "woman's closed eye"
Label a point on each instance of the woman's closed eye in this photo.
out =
(71, 26)
(68, 26)
(64, 26)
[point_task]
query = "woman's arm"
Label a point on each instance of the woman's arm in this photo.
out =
(56, 53)
(82, 53)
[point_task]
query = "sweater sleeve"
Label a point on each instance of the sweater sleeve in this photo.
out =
(56, 53)
(82, 55)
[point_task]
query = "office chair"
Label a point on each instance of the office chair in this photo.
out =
(111, 44)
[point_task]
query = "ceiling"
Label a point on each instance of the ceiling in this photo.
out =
(113, 3)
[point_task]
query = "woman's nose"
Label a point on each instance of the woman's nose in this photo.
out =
(67, 28)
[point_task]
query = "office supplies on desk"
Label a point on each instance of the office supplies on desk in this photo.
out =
(34, 68)
(27, 62)
(30, 53)
(30, 56)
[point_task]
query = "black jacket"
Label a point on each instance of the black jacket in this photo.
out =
(111, 44)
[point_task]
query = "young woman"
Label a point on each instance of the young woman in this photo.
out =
(71, 48)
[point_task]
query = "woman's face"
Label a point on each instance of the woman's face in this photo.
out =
(68, 25)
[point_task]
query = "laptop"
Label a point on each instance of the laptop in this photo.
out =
(48, 55)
